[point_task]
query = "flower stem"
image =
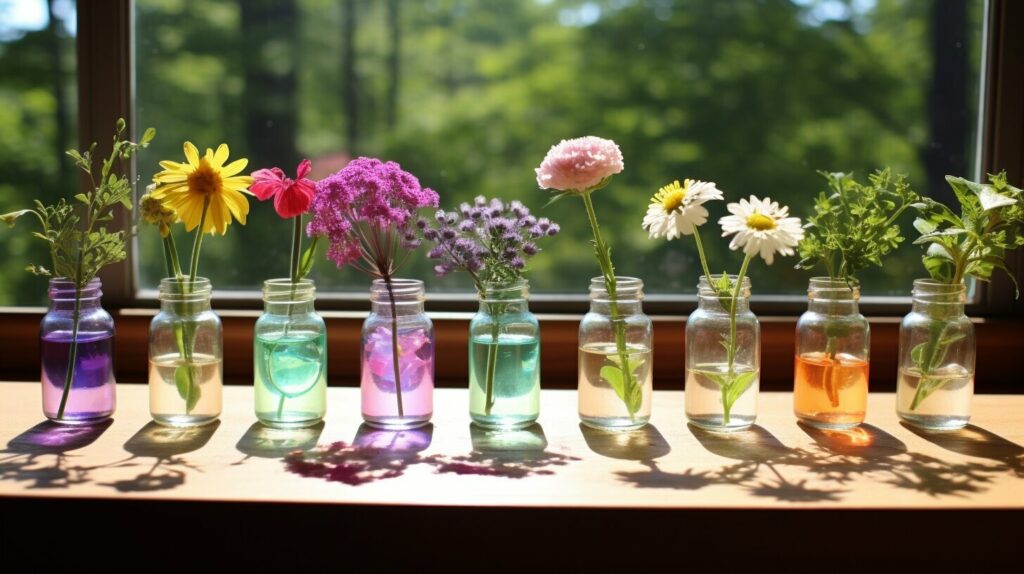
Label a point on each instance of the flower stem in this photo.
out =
(604, 259)
(73, 352)
(394, 345)
(700, 253)
(198, 242)
(731, 350)
(492, 362)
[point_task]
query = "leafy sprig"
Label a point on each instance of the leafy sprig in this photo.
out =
(855, 225)
(79, 243)
(973, 243)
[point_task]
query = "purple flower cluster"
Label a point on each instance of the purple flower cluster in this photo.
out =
(364, 207)
(491, 240)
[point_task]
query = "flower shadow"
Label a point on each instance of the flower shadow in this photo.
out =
(977, 442)
(165, 445)
(261, 441)
(643, 444)
(43, 442)
(509, 454)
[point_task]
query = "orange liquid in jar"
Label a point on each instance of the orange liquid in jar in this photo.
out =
(830, 391)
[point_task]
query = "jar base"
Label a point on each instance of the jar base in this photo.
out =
(935, 422)
(81, 420)
(184, 421)
(827, 422)
(397, 423)
(287, 425)
(715, 423)
(503, 423)
(614, 424)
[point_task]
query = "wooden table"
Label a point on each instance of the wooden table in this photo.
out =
(882, 485)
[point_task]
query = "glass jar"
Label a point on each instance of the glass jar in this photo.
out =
(185, 355)
(936, 373)
(397, 330)
(504, 359)
(85, 393)
(830, 380)
(615, 334)
(290, 356)
(723, 359)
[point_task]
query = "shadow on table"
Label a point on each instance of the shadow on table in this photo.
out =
(374, 454)
(977, 442)
(766, 468)
(643, 444)
(261, 441)
(505, 453)
(165, 445)
(377, 454)
(44, 442)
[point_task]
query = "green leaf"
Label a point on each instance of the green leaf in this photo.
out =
(917, 354)
(739, 385)
(82, 198)
(612, 374)
(148, 136)
(308, 257)
(183, 380)
(10, 218)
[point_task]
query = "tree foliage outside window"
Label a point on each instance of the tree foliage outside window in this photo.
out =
(468, 94)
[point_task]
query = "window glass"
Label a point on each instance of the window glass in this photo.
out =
(469, 95)
(38, 119)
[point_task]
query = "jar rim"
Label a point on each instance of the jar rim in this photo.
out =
(406, 290)
(704, 286)
(173, 289)
(63, 289)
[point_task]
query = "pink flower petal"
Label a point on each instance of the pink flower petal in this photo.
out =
(303, 170)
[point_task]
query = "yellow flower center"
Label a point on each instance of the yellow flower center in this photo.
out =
(204, 180)
(760, 222)
(672, 195)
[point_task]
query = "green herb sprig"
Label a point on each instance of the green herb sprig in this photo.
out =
(855, 225)
(971, 244)
(75, 232)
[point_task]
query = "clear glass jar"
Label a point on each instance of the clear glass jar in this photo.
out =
(830, 380)
(185, 355)
(611, 397)
(290, 356)
(86, 393)
(504, 359)
(723, 359)
(398, 318)
(937, 350)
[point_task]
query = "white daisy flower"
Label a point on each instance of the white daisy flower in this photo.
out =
(761, 227)
(677, 209)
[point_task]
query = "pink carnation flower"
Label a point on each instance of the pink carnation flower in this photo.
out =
(291, 196)
(579, 164)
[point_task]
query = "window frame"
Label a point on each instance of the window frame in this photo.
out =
(105, 47)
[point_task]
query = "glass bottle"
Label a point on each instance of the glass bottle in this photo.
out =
(830, 381)
(607, 400)
(411, 403)
(90, 395)
(290, 356)
(723, 360)
(504, 359)
(936, 373)
(185, 355)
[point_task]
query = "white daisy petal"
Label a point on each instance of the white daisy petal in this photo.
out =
(761, 227)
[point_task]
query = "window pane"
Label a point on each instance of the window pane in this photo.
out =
(38, 119)
(469, 95)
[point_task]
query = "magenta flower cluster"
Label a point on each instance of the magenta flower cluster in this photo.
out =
(491, 240)
(364, 206)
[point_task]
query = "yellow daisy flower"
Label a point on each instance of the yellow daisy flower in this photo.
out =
(205, 184)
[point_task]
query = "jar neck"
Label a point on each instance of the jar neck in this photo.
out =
(629, 294)
(283, 297)
(62, 294)
(184, 297)
(405, 296)
(505, 298)
(833, 296)
(709, 299)
(937, 299)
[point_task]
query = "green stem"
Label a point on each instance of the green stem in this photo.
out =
(700, 252)
(73, 352)
(198, 242)
(618, 324)
(394, 346)
(295, 261)
(727, 401)
(492, 363)
(173, 250)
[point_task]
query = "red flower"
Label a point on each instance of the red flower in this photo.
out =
(291, 197)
